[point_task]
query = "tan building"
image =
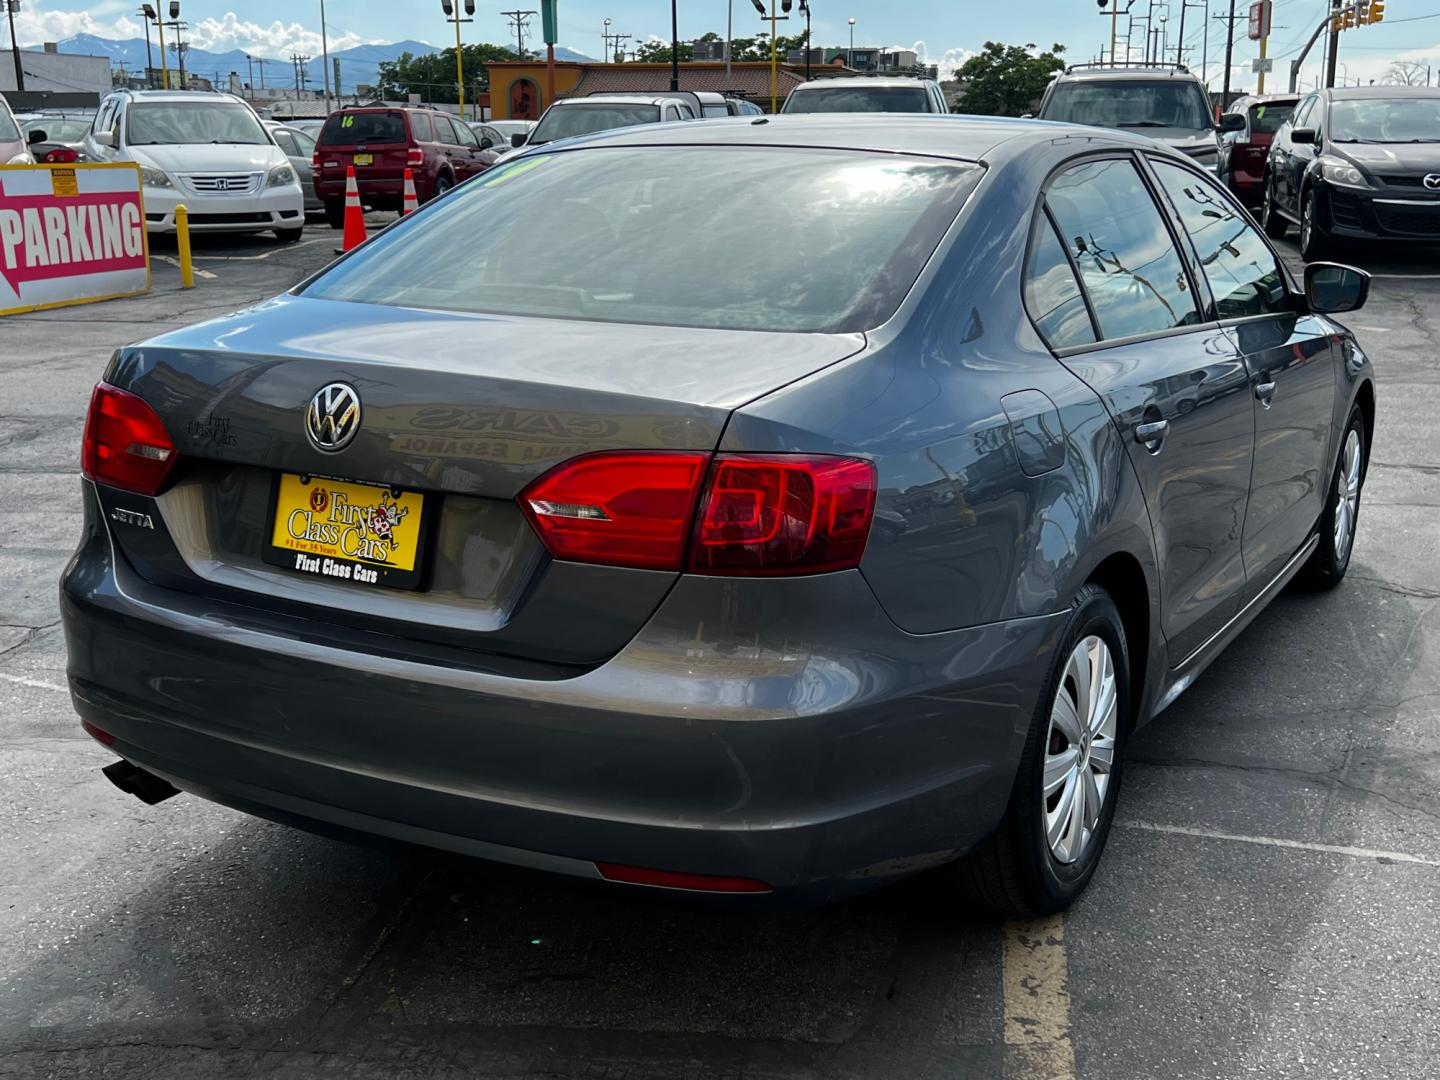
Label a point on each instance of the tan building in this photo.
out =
(518, 89)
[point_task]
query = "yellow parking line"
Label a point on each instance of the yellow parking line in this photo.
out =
(176, 263)
(1037, 1001)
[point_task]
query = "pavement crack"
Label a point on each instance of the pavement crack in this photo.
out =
(1399, 590)
(31, 633)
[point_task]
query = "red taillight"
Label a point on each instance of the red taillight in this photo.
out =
(126, 445)
(783, 514)
(315, 160)
(620, 509)
(61, 155)
(759, 514)
(415, 157)
(99, 735)
(669, 879)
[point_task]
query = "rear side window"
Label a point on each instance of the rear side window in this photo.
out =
(421, 129)
(1244, 276)
(1052, 295)
(1266, 119)
(1120, 243)
(347, 128)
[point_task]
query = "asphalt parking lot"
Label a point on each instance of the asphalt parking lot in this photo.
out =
(1267, 906)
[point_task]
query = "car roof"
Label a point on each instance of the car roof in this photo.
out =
(861, 80)
(1125, 74)
(961, 138)
(180, 95)
(613, 99)
(1372, 93)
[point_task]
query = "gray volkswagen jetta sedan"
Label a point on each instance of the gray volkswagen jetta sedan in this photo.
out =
(774, 507)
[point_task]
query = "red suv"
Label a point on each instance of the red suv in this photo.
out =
(440, 151)
(1243, 152)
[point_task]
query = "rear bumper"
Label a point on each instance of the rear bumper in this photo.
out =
(377, 193)
(784, 731)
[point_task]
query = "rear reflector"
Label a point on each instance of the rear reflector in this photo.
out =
(126, 445)
(668, 879)
(102, 737)
(758, 514)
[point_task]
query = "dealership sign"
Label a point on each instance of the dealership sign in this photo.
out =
(70, 234)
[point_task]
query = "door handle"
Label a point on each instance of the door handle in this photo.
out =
(1151, 435)
(1265, 393)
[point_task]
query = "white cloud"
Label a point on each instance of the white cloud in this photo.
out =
(33, 27)
(946, 61)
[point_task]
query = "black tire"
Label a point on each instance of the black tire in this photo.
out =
(1326, 567)
(1315, 243)
(289, 236)
(335, 213)
(1271, 220)
(1014, 871)
(443, 183)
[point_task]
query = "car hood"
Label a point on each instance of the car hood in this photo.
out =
(1391, 157)
(215, 157)
(1186, 140)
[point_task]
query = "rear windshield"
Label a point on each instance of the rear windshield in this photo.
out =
(57, 129)
(570, 120)
(188, 123)
(716, 110)
(1266, 119)
(1386, 120)
(350, 128)
(910, 99)
(1128, 103)
(648, 236)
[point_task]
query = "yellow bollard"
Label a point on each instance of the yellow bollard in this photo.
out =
(182, 241)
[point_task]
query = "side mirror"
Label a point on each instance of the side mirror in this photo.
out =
(104, 138)
(1332, 287)
(486, 143)
(1232, 122)
(1302, 136)
(518, 139)
(37, 135)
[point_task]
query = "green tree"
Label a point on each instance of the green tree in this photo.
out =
(658, 52)
(1006, 80)
(432, 75)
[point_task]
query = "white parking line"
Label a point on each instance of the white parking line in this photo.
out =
(176, 263)
(262, 255)
(1274, 841)
(39, 684)
(1037, 1001)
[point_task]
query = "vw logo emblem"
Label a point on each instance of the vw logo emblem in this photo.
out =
(1432, 181)
(333, 417)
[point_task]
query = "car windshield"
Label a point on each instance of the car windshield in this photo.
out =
(190, 122)
(353, 128)
(1124, 103)
(626, 236)
(1266, 119)
(7, 126)
(1386, 120)
(570, 120)
(849, 99)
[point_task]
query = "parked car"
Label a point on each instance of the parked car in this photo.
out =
(712, 104)
(1163, 101)
(60, 133)
(381, 143)
(577, 609)
(569, 117)
(1357, 164)
(691, 109)
(311, 125)
(13, 147)
(299, 147)
(740, 107)
(1243, 152)
(208, 151)
(867, 94)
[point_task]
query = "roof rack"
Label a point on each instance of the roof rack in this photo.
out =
(1096, 64)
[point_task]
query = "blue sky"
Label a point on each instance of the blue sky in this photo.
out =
(945, 31)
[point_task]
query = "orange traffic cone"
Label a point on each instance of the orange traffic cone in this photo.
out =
(411, 203)
(354, 214)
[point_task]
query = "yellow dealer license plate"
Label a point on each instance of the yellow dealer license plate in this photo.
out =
(348, 532)
(364, 159)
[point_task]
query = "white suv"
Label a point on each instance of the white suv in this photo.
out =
(207, 151)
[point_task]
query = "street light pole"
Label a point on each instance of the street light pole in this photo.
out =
(805, 7)
(605, 37)
(325, 59)
(452, 15)
(850, 56)
(12, 6)
(149, 57)
(674, 46)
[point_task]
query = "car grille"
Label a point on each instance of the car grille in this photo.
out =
(229, 219)
(1417, 222)
(1402, 181)
(1345, 210)
(224, 183)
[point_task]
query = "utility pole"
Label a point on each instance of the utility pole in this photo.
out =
(261, 61)
(620, 49)
(12, 6)
(674, 46)
(520, 20)
(301, 75)
(250, 75)
(1229, 22)
(1334, 44)
(325, 58)
(805, 7)
(149, 59)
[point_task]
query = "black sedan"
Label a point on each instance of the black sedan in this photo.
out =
(556, 527)
(1357, 164)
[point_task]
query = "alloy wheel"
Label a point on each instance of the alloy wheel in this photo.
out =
(1307, 220)
(1080, 749)
(1347, 495)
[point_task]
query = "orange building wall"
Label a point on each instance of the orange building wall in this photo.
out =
(509, 87)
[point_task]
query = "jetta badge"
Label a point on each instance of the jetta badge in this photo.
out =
(333, 417)
(1432, 181)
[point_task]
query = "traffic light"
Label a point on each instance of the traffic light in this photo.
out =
(1362, 12)
(1347, 19)
(1337, 23)
(1377, 10)
(760, 7)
